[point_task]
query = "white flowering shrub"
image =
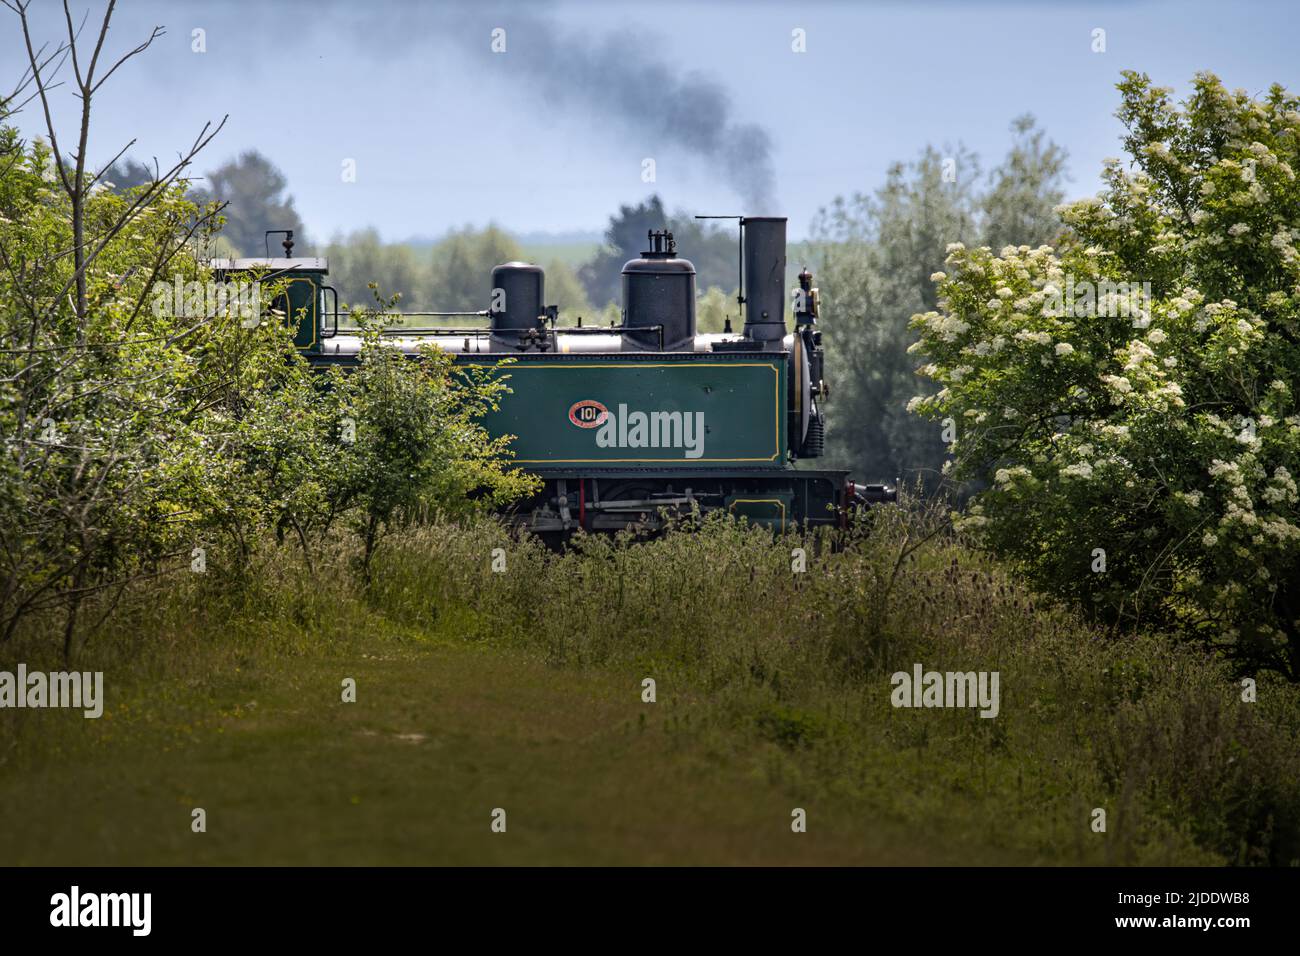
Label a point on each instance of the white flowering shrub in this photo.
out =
(1134, 389)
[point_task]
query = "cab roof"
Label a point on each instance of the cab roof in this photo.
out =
(274, 264)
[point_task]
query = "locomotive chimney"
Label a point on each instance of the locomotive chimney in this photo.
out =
(764, 248)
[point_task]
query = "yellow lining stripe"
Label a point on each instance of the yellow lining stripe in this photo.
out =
(315, 324)
(759, 501)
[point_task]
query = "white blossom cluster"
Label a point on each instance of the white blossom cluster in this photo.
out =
(1082, 393)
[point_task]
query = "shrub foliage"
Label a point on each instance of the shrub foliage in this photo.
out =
(1130, 394)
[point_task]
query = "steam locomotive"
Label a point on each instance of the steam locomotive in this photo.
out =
(627, 423)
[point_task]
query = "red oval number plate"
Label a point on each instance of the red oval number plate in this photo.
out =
(588, 413)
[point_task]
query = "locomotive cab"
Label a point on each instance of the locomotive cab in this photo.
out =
(302, 300)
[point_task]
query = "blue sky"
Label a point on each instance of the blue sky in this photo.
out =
(444, 133)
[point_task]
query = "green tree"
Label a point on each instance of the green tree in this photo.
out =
(254, 192)
(147, 422)
(460, 273)
(411, 440)
(101, 398)
(563, 289)
(125, 174)
(362, 257)
(1020, 205)
(874, 257)
(103, 403)
(1130, 394)
(714, 308)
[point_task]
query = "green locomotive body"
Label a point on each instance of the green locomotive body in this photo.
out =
(622, 410)
(627, 423)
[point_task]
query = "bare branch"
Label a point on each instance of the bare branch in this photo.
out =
(157, 32)
(73, 34)
(42, 90)
(109, 165)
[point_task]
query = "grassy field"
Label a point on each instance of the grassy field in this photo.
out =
(522, 690)
(441, 734)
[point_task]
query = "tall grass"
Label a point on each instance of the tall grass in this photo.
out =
(791, 669)
(1153, 731)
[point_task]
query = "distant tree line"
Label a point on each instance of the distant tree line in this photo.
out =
(454, 273)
